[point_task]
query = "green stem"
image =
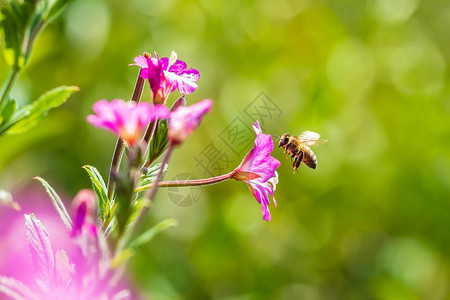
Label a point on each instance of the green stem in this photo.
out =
(28, 44)
(8, 84)
(149, 195)
(118, 151)
(196, 182)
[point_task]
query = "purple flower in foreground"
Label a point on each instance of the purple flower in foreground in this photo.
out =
(167, 74)
(184, 120)
(126, 119)
(258, 170)
(83, 277)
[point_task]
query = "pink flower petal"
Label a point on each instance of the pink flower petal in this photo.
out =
(15, 289)
(41, 251)
(140, 61)
(259, 162)
(126, 119)
(184, 120)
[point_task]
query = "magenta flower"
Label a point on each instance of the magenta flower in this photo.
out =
(83, 276)
(167, 74)
(183, 79)
(126, 119)
(185, 119)
(258, 170)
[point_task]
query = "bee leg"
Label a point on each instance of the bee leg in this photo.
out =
(294, 155)
(294, 169)
(298, 161)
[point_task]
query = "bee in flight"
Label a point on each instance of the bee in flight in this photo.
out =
(298, 148)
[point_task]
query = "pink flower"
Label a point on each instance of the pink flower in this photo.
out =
(185, 119)
(182, 78)
(126, 119)
(83, 276)
(258, 170)
(166, 74)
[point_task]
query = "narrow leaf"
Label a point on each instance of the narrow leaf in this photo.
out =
(99, 187)
(150, 234)
(158, 144)
(15, 289)
(40, 249)
(18, 115)
(41, 106)
(150, 175)
(57, 7)
(16, 17)
(12, 31)
(8, 110)
(122, 257)
(57, 203)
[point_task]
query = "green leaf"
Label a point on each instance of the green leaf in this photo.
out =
(16, 117)
(152, 232)
(21, 23)
(147, 178)
(57, 7)
(41, 106)
(57, 203)
(99, 186)
(159, 141)
(150, 175)
(8, 110)
(122, 257)
(16, 17)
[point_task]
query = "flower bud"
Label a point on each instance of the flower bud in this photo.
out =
(84, 207)
(180, 102)
(184, 120)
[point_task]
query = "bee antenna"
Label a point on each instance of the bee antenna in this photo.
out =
(276, 136)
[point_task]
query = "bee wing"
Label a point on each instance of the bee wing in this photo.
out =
(320, 142)
(309, 138)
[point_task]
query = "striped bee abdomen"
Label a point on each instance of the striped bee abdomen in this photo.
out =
(309, 158)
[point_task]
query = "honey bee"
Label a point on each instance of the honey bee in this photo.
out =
(298, 148)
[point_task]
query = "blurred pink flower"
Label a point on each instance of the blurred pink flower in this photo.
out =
(186, 119)
(258, 170)
(84, 277)
(166, 74)
(126, 119)
(83, 272)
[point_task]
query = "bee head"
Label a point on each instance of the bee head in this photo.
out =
(284, 140)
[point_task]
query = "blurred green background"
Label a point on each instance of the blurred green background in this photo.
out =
(372, 222)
